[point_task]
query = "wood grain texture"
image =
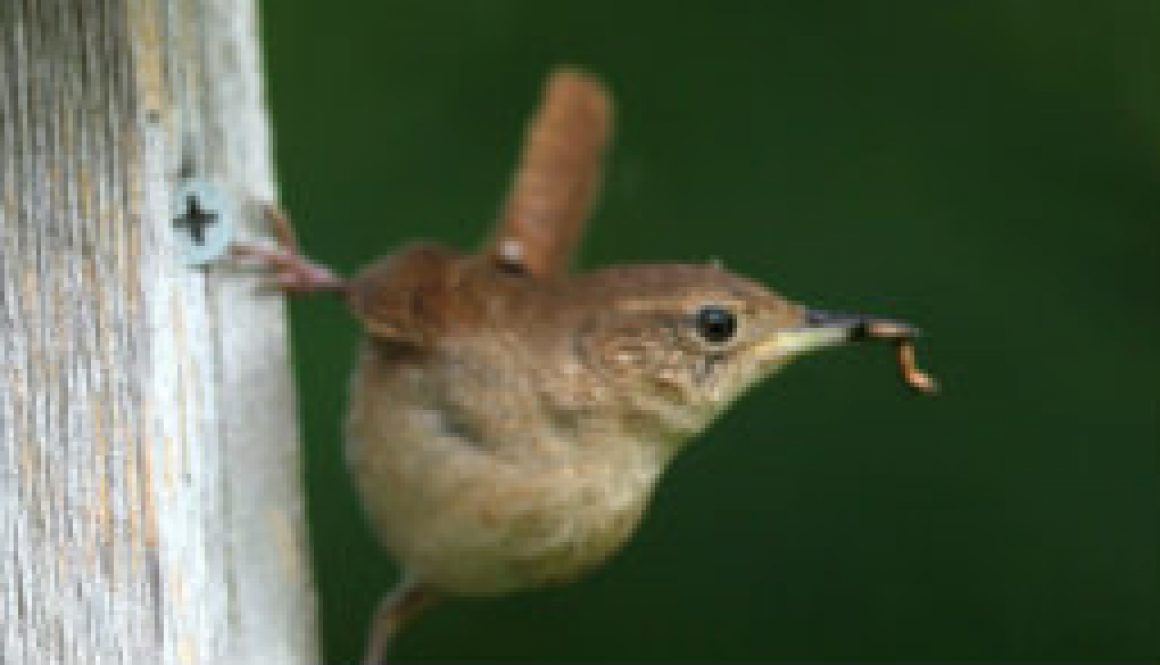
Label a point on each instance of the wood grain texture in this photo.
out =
(150, 505)
(558, 177)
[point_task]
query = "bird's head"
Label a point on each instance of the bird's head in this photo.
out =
(677, 344)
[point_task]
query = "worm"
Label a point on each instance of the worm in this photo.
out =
(912, 376)
(904, 336)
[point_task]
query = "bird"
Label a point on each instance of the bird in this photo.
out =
(509, 419)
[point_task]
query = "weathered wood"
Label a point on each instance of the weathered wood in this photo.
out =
(150, 506)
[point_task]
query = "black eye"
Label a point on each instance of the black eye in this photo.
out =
(716, 324)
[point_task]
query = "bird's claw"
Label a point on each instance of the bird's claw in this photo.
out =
(290, 271)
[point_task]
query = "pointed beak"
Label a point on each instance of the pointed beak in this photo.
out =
(816, 329)
(820, 329)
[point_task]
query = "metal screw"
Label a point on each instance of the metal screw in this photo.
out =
(204, 221)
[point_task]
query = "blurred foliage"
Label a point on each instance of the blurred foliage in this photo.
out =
(989, 170)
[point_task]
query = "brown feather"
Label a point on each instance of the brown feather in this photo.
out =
(558, 177)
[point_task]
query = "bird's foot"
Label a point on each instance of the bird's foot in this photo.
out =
(290, 270)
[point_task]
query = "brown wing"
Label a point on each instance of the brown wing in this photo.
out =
(558, 178)
(403, 298)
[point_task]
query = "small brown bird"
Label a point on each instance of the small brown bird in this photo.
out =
(508, 420)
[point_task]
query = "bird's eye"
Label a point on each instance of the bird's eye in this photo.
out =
(716, 324)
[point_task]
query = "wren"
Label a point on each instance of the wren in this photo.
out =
(509, 420)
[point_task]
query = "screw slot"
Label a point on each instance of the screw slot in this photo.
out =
(203, 222)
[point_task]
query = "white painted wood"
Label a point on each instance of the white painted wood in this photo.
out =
(150, 493)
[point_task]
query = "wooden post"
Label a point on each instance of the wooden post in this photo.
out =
(150, 499)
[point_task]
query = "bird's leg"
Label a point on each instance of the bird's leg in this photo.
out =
(292, 271)
(398, 606)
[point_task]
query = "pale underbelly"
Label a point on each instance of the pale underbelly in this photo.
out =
(466, 524)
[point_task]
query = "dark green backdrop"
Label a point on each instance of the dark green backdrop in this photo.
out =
(989, 170)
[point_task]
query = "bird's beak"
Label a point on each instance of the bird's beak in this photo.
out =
(817, 329)
(820, 329)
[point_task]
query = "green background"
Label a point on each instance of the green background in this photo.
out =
(989, 170)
